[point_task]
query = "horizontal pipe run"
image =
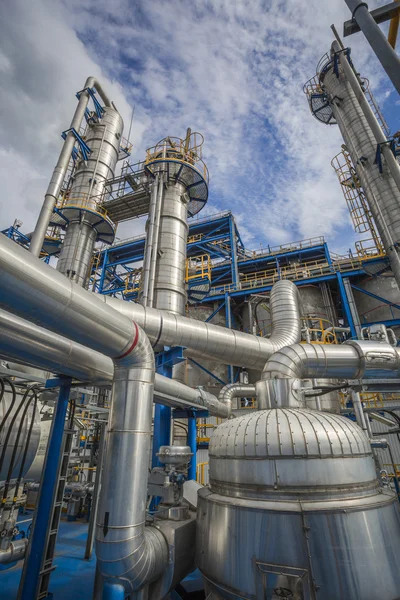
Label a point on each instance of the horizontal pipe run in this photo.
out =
(213, 341)
(34, 290)
(352, 360)
(30, 344)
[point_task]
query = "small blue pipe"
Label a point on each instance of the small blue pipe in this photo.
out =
(41, 523)
(113, 591)
(192, 442)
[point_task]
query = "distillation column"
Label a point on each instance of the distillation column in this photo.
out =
(341, 98)
(180, 189)
(87, 221)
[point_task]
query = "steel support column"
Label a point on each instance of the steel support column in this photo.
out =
(192, 442)
(377, 40)
(48, 485)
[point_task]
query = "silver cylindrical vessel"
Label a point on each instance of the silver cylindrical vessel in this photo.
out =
(294, 510)
(87, 222)
(169, 285)
(380, 188)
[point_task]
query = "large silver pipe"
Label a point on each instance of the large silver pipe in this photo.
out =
(216, 342)
(353, 360)
(128, 552)
(37, 292)
(30, 344)
(362, 134)
(235, 390)
(25, 342)
(60, 170)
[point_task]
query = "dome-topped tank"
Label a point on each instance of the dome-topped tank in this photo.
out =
(294, 510)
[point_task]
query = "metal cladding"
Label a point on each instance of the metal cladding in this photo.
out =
(61, 167)
(30, 344)
(128, 552)
(8, 441)
(86, 195)
(169, 280)
(102, 323)
(306, 480)
(352, 360)
(212, 341)
(381, 190)
(235, 390)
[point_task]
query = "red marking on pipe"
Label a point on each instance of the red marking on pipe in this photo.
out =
(135, 341)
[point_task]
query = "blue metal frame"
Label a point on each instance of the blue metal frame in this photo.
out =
(41, 522)
(192, 442)
(206, 371)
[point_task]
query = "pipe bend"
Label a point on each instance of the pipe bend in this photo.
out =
(93, 82)
(235, 390)
(128, 552)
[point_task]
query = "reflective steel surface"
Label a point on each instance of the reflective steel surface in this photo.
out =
(294, 510)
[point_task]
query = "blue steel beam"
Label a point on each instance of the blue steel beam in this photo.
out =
(48, 485)
(192, 442)
(367, 293)
(206, 371)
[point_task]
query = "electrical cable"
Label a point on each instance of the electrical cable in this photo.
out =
(19, 431)
(14, 417)
(28, 439)
(14, 397)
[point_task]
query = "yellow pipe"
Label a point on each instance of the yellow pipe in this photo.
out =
(393, 29)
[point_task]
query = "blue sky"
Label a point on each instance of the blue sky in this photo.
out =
(233, 70)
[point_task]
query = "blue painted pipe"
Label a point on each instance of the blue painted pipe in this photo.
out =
(192, 442)
(113, 591)
(41, 523)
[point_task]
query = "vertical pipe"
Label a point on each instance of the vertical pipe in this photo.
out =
(346, 307)
(192, 442)
(149, 241)
(95, 497)
(228, 324)
(377, 40)
(37, 543)
(358, 410)
(234, 265)
(162, 422)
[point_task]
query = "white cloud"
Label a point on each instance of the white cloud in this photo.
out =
(232, 70)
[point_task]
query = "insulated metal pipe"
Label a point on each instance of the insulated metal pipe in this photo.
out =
(27, 343)
(37, 292)
(128, 552)
(213, 341)
(377, 40)
(60, 170)
(156, 234)
(352, 360)
(149, 241)
(235, 390)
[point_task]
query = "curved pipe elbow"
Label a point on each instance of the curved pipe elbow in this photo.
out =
(133, 561)
(352, 360)
(93, 82)
(235, 390)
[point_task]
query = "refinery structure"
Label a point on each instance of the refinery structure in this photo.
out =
(204, 412)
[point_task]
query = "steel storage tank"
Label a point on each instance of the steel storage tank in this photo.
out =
(294, 510)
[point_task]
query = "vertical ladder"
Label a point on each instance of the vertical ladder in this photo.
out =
(47, 565)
